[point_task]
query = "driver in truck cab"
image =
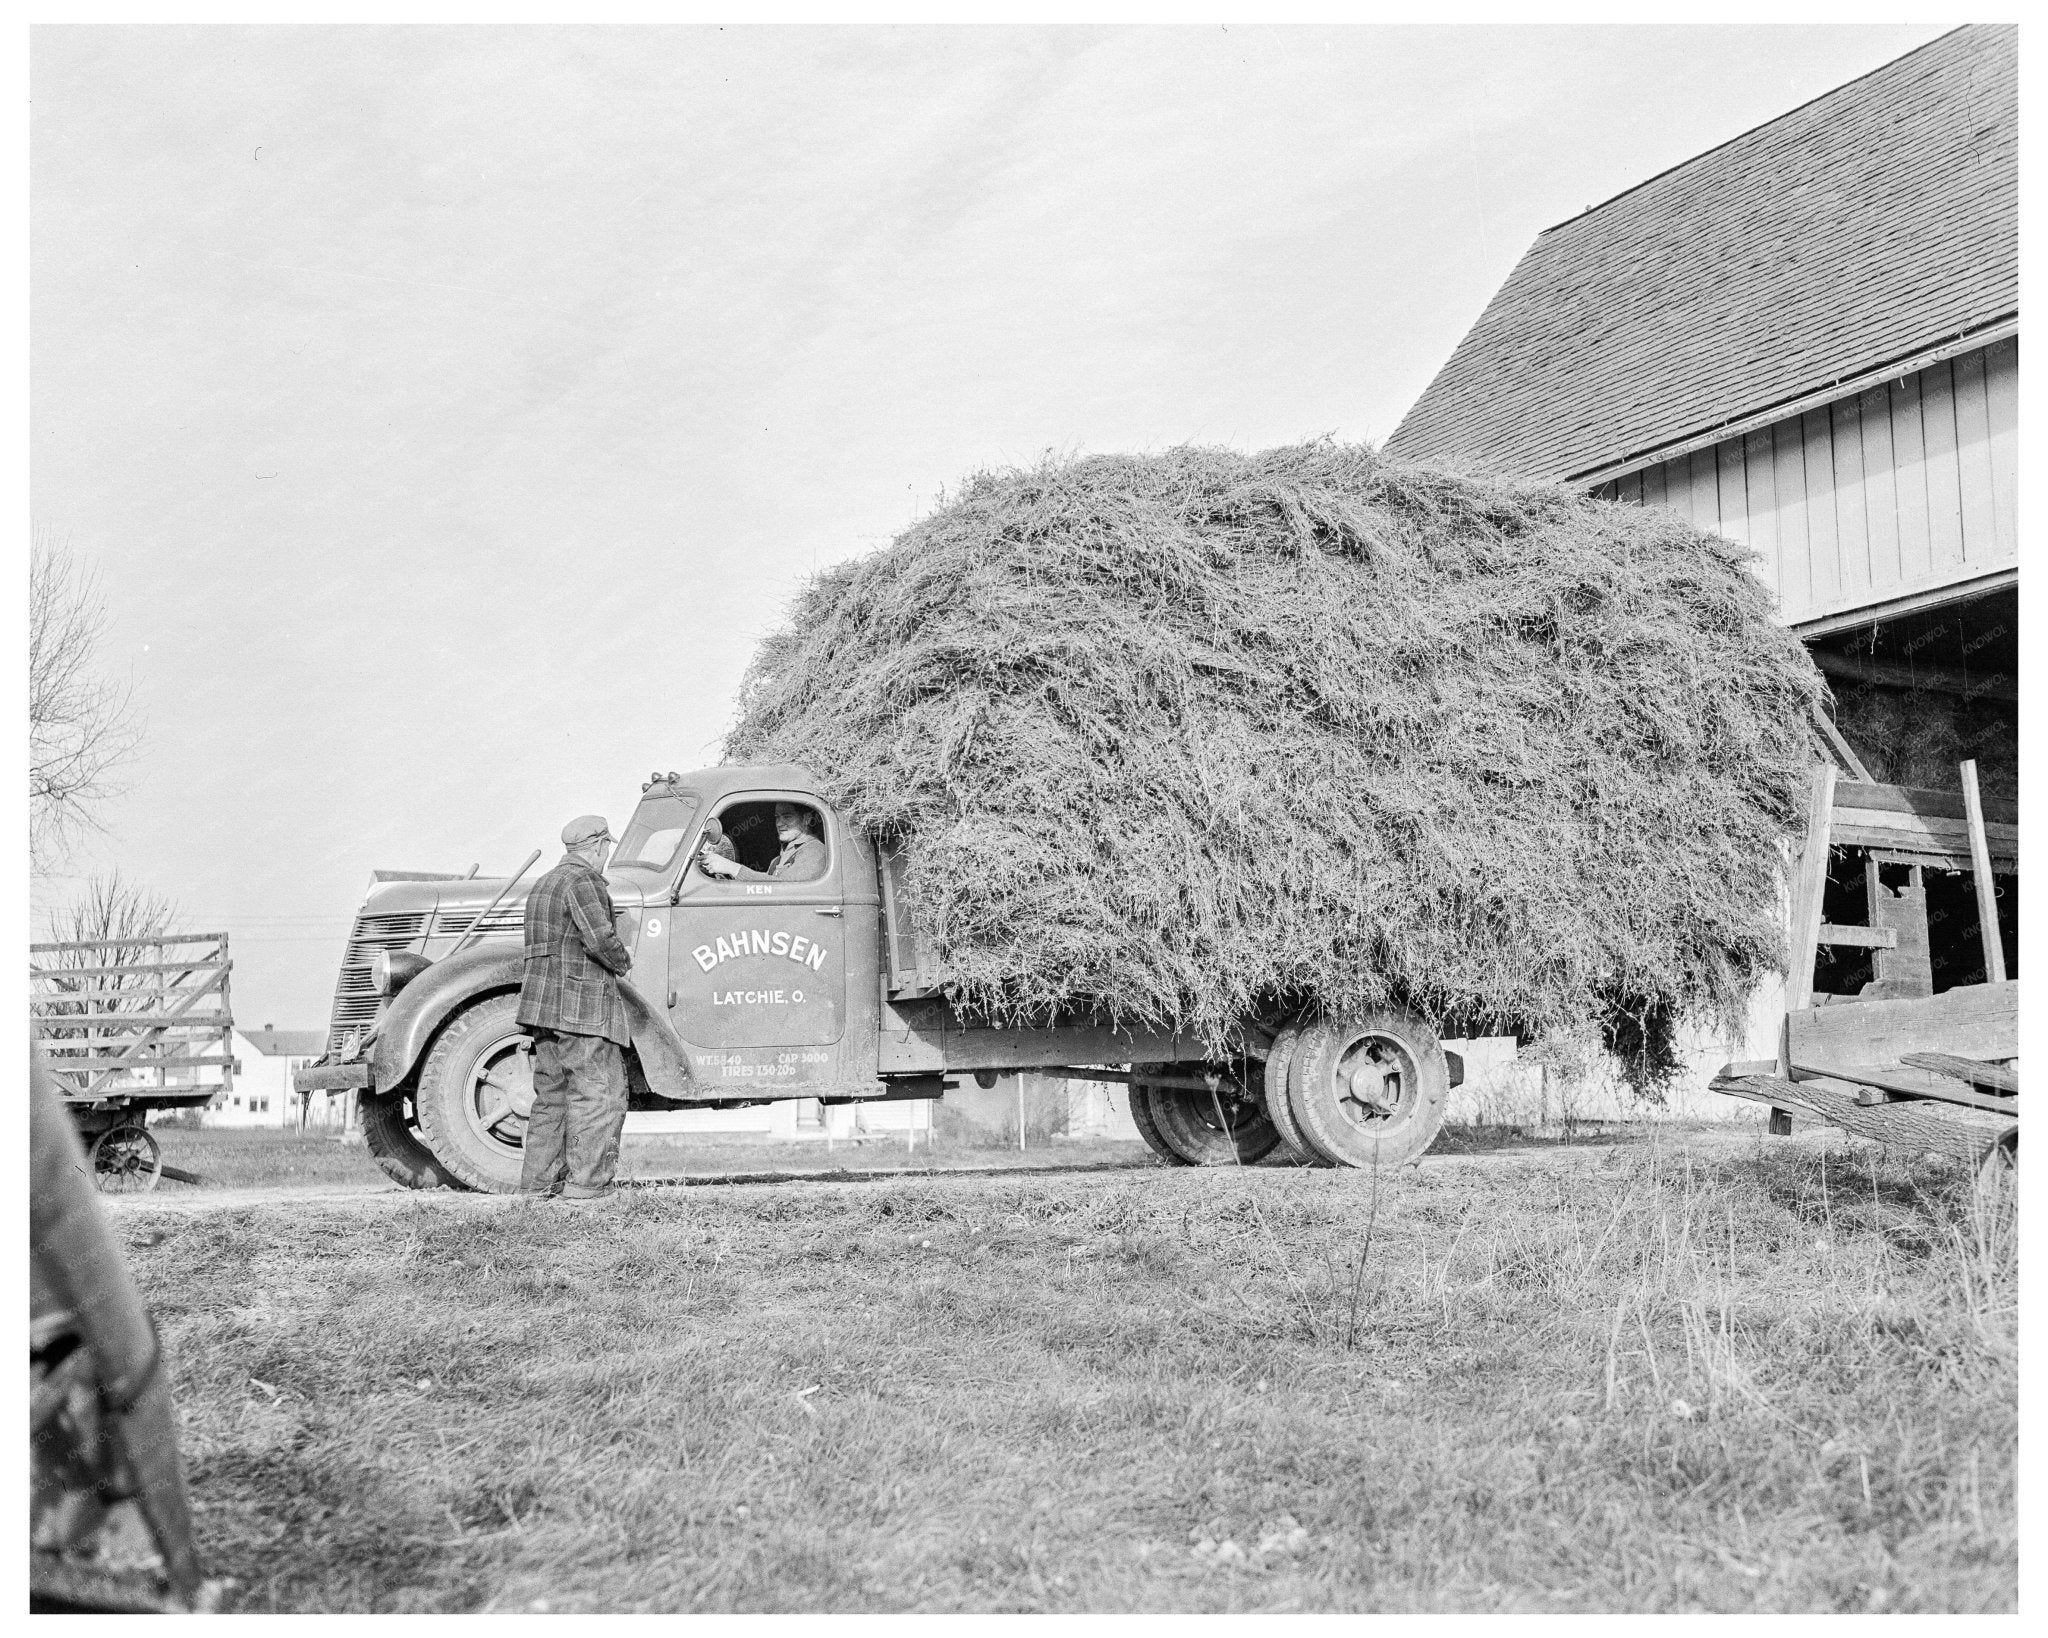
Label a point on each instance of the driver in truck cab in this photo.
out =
(802, 858)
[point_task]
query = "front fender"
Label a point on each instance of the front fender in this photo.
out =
(409, 1021)
(421, 1008)
(663, 1063)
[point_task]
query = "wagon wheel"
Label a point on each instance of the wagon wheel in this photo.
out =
(126, 1160)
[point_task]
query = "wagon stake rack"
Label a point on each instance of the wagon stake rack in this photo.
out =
(129, 1025)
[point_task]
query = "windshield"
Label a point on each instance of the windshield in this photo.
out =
(657, 830)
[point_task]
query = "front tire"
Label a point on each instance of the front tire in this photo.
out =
(397, 1148)
(475, 1092)
(1180, 1124)
(1369, 1090)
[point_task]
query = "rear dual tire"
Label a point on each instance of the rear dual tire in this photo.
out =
(1189, 1126)
(1365, 1091)
(1279, 1064)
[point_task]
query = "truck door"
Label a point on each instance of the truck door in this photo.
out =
(641, 867)
(757, 966)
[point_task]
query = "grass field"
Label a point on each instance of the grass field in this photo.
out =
(251, 1157)
(1687, 1371)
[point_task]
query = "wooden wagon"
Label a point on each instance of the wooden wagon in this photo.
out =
(130, 1025)
(1897, 1062)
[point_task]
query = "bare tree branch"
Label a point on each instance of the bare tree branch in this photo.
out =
(110, 907)
(80, 726)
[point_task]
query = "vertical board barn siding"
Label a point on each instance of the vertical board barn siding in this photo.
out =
(2002, 409)
(1944, 472)
(1731, 491)
(1823, 540)
(1761, 503)
(1788, 469)
(1903, 488)
(1852, 518)
(1880, 489)
(1973, 458)
(1909, 456)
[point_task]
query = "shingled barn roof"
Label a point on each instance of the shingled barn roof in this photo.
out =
(1865, 227)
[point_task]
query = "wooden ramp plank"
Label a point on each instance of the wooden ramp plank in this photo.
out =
(1968, 1134)
(1906, 1083)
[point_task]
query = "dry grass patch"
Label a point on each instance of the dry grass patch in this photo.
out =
(1680, 1375)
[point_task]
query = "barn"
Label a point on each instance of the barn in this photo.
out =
(1807, 339)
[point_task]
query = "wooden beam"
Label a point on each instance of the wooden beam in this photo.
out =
(1849, 614)
(101, 992)
(1973, 1070)
(1852, 764)
(1896, 1084)
(1980, 872)
(1863, 938)
(53, 974)
(1921, 858)
(1853, 800)
(1934, 679)
(1973, 1021)
(1905, 969)
(135, 1020)
(1923, 825)
(1931, 839)
(169, 941)
(1809, 887)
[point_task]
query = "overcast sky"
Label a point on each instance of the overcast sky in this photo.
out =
(447, 412)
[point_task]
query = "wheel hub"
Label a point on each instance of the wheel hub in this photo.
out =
(126, 1159)
(500, 1093)
(1375, 1078)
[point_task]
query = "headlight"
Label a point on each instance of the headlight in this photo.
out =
(392, 970)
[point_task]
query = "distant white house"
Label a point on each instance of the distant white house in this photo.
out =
(262, 1093)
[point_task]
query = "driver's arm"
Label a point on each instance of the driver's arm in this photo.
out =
(725, 869)
(806, 862)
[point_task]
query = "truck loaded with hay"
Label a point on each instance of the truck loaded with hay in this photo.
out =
(1239, 778)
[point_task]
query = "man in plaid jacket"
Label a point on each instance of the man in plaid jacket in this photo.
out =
(570, 1002)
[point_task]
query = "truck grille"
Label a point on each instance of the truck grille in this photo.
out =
(508, 920)
(355, 1002)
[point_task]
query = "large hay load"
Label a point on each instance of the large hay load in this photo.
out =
(1220, 739)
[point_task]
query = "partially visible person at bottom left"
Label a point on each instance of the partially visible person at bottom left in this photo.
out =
(569, 1000)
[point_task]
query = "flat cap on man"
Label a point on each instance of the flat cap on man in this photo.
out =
(589, 828)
